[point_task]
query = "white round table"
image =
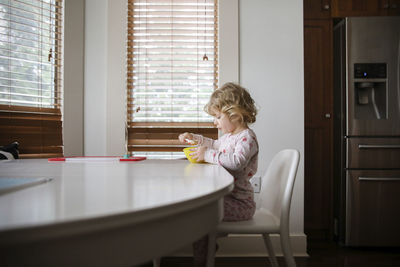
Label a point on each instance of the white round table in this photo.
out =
(107, 213)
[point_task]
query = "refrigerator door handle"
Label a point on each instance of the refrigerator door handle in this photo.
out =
(379, 179)
(378, 146)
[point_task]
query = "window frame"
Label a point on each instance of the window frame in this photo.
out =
(38, 129)
(161, 136)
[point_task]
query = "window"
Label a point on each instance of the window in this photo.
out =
(30, 76)
(172, 69)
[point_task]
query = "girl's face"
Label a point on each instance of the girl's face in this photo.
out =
(221, 120)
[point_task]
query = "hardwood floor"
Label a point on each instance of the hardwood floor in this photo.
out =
(322, 254)
(329, 254)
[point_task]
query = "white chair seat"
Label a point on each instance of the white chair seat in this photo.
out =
(262, 222)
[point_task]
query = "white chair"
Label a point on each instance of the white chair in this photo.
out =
(273, 215)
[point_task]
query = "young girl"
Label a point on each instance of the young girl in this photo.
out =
(236, 150)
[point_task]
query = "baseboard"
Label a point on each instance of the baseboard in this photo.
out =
(252, 246)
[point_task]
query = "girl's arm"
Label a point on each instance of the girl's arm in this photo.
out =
(245, 149)
(205, 141)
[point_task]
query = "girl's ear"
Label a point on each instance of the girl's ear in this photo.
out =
(235, 118)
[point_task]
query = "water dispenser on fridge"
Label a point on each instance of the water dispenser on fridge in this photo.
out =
(370, 85)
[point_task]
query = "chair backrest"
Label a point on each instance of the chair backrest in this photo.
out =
(277, 184)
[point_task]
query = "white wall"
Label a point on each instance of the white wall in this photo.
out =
(105, 42)
(271, 67)
(228, 40)
(95, 78)
(73, 77)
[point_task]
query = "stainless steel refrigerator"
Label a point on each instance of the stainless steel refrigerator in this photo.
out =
(367, 131)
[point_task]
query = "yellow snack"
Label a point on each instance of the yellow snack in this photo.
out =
(191, 142)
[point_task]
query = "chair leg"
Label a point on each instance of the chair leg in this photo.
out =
(271, 253)
(287, 251)
(157, 262)
(211, 249)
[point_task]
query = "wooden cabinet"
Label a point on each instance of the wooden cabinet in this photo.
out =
(318, 105)
(317, 9)
(393, 7)
(349, 8)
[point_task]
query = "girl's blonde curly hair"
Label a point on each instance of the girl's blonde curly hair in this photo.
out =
(234, 101)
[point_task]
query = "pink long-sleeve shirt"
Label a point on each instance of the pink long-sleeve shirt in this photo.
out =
(238, 154)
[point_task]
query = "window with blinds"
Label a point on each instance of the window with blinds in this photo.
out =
(172, 69)
(30, 76)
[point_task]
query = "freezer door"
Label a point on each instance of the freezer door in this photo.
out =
(373, 101)
(372, 208)
(373, 153)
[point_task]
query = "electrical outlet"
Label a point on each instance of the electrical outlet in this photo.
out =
(256, 183)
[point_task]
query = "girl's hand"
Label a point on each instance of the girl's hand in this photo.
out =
(182, 137)
(198, 153)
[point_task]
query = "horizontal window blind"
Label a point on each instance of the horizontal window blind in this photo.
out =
(31, 76)
(172, 69)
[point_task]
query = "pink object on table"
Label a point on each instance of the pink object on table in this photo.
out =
(96, 158)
